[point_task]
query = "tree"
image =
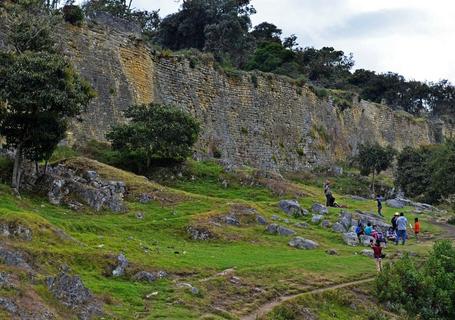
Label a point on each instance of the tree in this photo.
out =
(269, 56)
(155, 133)
(217, 26)
(373, 159)
(40, 93)
(267, 32)
(413, 175)
(325, 66)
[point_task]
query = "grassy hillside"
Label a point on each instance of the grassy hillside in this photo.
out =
(260, 266)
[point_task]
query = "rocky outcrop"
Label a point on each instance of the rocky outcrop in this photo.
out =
(200, 233)
(292, 208)
(279, 230)
(71, 292)
(15, 230)
(301, 243)
(65, 186)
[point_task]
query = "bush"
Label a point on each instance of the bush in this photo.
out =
(451, 220)
(156, 135)
(427, 173)
(73, 14)
(426, 291)
(6, 169)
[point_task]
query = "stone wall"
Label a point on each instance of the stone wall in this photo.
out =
(257, 119)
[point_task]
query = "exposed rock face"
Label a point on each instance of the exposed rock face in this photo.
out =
(351, 239)
(64, 185)
(122, 263)
(270, 123)
(317, 218)
(14, 258)
(145, 276)
(199, 233)
(15, 230)
(395, 203)
(319, 209)
(71, 292)
(301, 243)
(292, 207)
(282, 231)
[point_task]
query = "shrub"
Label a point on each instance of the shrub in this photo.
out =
(426, 291)
(73, 14)
(451, 220)
(156, 135)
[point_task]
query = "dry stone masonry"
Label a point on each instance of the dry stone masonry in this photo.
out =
(256, 119)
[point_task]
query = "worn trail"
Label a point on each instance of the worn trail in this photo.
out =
(266, 308)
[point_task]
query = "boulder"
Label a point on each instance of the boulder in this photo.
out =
(140, 215)
(291, 207)
(301, 243)
(395, 203)
(122, 263)
(145, 276)
(302, 225)
(282, 231)
(14, 230)
(275, 217)
(71, 292)
(346, 219)
(316, 219)
(6, 281)
(367, 253)
(319, 209)
(366, 240)
(332, 252)
(261, 220)
(338, 227)
(350, 238)
(145, 198)
(199, 233)
(13, 258)
(326, 224)
(231, 220)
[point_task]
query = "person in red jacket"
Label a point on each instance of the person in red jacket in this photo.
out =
(377, 252)
(416, 228)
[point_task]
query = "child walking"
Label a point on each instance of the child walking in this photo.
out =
(377, 251)
(416, 228)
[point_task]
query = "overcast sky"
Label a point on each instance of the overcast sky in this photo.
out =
(413, 37)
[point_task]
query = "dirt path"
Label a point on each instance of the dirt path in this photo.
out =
(266, 308)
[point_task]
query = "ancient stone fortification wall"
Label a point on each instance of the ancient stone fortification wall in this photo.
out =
(257, 119)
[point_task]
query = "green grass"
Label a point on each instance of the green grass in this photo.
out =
(159, 242)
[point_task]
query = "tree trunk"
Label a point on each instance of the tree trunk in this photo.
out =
(45, 167)
(15, 183)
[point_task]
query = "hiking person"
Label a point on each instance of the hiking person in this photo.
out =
(379, 200)
(377, 253)
(378, 235)
(368, 229)
(394, 221)
(359, 230)
(416, 228)
(402, 224)
(330, 200)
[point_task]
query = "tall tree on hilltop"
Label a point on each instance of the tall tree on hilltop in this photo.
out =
(39, 93)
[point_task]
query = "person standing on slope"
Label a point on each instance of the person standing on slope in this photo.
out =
(330, 200)
(379, 200)
(402, 224)
(394, 222)
(377, 252)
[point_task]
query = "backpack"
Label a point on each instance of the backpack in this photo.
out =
(358, 229)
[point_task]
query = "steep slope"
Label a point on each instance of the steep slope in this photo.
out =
(239, 268)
